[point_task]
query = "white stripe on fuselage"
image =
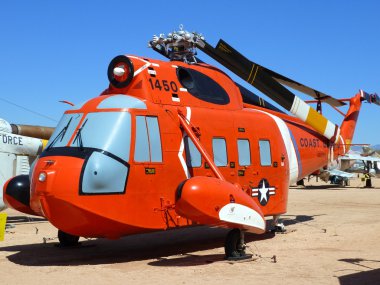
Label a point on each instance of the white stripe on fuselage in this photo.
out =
(344, 146)
(290, 148)
(145, 66)
(182, 146)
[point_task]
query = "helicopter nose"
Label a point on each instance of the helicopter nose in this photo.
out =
(64, 189)
(51, 180)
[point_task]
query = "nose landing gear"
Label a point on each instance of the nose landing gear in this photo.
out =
(66, 239)
(234, 246)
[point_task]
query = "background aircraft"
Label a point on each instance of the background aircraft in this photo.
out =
(344, 168)
(362, 163)
(19, 146)
(367, 164)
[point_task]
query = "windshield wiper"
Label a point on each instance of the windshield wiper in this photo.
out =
(60, 135)
(78, 136)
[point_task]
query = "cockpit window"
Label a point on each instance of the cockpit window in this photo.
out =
(108, 131)
(103, 141)
(64, 130)
(122, 101)
(148, 140)
(201, 86)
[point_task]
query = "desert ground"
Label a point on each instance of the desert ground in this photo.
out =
(333, 237)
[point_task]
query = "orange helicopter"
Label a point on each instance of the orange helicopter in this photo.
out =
(178, 143)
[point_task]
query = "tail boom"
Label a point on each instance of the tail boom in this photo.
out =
(349, 122)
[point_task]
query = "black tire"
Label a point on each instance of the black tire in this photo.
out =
(368, 183)
(232, 246)
(66, 239)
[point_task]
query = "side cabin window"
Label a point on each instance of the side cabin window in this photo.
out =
(148, 140)
(202, 87)
(219, 150)
(244, 152)
(265, 153)
(193, 156)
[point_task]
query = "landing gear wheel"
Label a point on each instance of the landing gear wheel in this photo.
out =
(368, 183)
(234, 246)
(66, 239)
(279, 228)
(276, 226)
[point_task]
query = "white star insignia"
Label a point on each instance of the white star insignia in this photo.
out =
(263, 191)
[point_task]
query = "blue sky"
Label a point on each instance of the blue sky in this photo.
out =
(60, 50)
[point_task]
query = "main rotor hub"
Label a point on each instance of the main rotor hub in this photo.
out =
(177, 45)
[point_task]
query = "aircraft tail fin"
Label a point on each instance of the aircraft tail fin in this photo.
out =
(347, 128)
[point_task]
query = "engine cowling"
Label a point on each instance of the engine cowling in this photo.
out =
(212, 201)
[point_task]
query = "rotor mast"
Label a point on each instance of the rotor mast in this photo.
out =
(177, 45)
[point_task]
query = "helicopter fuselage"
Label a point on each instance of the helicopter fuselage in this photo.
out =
(114, 163)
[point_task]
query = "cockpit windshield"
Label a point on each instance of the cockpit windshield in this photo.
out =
(64, 130)
(106, 131)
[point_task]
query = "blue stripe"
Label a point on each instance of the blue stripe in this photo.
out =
(297, 153)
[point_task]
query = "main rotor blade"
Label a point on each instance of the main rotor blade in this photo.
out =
(251, 98)
(250, 72)
(226, 48)
(304, 89)
(258, 77)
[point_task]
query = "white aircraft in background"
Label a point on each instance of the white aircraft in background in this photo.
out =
(342, 170)
(363, 164)
(19, 146)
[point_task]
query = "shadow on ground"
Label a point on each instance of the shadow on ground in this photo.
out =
(297, 219)
(188, 260)
(132, 248)
(328, 187)
(366, 275)
(360, 262)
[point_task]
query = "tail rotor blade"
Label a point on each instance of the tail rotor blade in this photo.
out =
(370, 98)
